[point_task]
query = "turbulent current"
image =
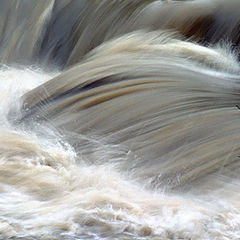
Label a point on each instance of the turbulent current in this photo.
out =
(119, 119)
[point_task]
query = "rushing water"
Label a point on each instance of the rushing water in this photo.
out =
(116, 125)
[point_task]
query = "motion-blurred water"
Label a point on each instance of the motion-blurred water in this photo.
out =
(119, 119)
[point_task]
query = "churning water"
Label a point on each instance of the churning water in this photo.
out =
(119, 119)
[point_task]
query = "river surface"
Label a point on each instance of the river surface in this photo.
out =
(119, 120)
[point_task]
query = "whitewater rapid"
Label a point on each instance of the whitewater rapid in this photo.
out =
(119, 119)
(47, 191)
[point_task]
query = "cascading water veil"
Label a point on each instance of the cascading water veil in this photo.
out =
(119, 119)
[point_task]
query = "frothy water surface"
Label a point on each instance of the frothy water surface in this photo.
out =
(48, 192)
(127, 129)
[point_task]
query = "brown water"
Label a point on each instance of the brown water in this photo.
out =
(113, 126)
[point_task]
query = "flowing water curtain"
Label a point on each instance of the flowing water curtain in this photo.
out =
(22, 23)
(163, 99)
(76, 27)
(143, 110)
(61, 32)
(90, 23)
